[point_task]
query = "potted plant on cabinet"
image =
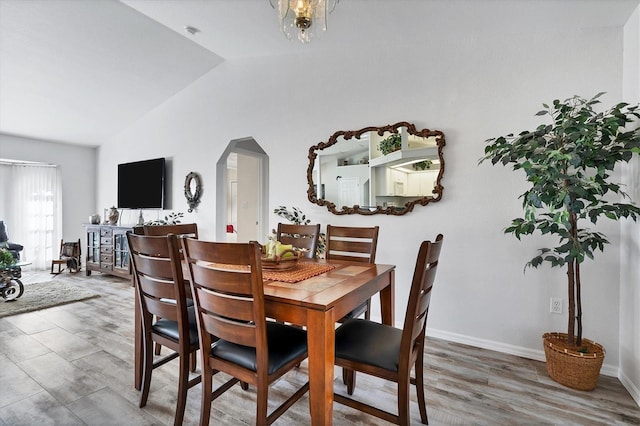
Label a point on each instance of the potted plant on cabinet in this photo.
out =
(390, 144)
(568, 164)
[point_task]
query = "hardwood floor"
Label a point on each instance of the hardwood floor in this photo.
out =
(73, 365)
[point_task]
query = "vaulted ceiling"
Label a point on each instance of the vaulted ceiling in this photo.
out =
(82, 71)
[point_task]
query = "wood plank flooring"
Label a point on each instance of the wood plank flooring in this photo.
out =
(73, 365)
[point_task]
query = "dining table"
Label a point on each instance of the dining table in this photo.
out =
(314, 294)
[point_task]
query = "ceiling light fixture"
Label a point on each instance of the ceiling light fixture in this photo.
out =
(303, 17)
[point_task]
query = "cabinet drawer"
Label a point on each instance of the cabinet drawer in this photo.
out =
(106, 258)
(106, 267)
(106, 249)
(106, 241)
(106, 232)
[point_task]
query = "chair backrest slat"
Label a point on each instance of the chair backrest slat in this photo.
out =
(228, 281)
(156, 288)
(154, 266)
(226, 305)
(162, 308)
(355, 244)
(239, 333)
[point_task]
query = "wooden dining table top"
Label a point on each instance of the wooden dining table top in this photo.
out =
(326, 290)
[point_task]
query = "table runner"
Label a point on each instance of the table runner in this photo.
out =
(300, 272)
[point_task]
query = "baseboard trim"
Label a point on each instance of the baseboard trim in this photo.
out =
(535, 354)
(630, 386)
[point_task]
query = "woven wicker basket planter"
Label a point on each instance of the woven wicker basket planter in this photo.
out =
(569, 367)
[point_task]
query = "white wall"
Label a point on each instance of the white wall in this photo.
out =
(630, 247)
(472, 88)
(77, 165)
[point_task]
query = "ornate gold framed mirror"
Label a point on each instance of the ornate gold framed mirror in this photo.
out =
(377, 170)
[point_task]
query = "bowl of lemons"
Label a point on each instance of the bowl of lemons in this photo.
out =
(277, 256)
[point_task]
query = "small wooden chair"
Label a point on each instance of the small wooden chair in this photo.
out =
(236, 339)
(70, 256)
(300, 236)
(390, 353)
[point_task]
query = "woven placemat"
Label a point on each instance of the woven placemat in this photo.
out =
(300, 272)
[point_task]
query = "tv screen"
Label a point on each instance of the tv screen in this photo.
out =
(141, 184)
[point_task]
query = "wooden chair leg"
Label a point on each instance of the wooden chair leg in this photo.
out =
(261, 404)
(403, 402)
(349, 379)
(420, 390)
(205, 401)
(158, 349)
(183, 386)
(147, 369)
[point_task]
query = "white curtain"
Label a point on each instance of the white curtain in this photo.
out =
(33, 212)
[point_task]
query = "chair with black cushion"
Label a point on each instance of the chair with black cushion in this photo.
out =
(388, 352)
(166, 318)
(236, 339)
(353, 244)
(300, 236)
(70, 256)
(181, 229)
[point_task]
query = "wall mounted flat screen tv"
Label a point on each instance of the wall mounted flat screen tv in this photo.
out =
(141, 184)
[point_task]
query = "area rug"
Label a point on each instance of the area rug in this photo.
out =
(44, 295)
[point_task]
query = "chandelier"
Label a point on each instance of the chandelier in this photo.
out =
(303, 17)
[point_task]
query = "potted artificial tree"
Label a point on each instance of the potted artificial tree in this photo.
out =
(568, 164)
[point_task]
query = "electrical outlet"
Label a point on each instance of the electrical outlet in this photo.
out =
(555, 305)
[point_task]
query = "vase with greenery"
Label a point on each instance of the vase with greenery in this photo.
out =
(297, 217)
(569, 164)
(390, 144)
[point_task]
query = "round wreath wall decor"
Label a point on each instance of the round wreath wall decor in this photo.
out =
(193, 190)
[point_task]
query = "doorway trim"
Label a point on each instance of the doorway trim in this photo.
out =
(245, 146)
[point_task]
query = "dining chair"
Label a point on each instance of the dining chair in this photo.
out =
(390, 353)
(300, 236)
(227, 287)
(181, 229)
(166, 318)
(354, 244)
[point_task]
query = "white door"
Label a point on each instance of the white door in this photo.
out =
(349, 191)
(248, 200)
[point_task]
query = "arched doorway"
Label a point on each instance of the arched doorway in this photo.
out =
(242, 197)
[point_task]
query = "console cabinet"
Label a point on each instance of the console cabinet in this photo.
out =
(108, 250)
